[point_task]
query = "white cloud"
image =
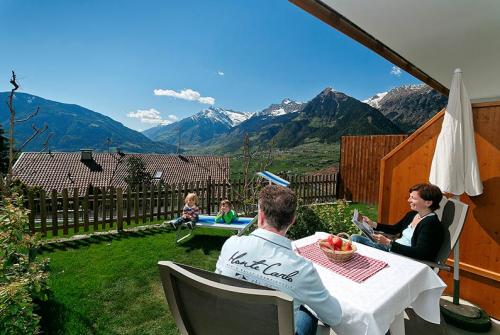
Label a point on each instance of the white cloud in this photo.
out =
(187, 94)
(396, 71)
(220, 73)
(152, 116)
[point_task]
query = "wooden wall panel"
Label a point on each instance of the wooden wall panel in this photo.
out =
(360, 165)
(409, 163)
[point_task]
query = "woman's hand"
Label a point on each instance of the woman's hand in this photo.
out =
(379, 238)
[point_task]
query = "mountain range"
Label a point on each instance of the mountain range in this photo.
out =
(325, 118)
(203, 126)
(72, 127)
(409, 106)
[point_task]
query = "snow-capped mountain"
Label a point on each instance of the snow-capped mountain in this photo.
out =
(375, 100)
(204, 125)
(220, 115)
(409, 106)
(286, 106)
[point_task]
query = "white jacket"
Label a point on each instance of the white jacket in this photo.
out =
(267, 259)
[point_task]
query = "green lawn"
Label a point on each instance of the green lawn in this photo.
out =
(110, 284)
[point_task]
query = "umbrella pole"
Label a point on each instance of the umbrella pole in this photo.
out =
(456, 280)
(462, 313)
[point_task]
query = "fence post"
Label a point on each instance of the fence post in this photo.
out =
(209, 194)
(54, 212)
(128, 202)
(144, 204)
(86, 210)
(119, 209)
(95, 207)
(151, 201)
(136, 205)
(65, 210)
(43, 213)
(111, 218)
(76, 207)
(103, 207)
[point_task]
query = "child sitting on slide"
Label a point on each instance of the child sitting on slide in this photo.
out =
(189, 212)
(226, 214)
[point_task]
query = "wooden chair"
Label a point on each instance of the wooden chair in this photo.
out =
(206, 303)
(452, 214)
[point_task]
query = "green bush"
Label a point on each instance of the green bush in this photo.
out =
(22, 277)
(331, 218)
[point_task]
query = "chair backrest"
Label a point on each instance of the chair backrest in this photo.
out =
(206, 303)
(452, 214)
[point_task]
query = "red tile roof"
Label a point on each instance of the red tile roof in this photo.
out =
(59, 170)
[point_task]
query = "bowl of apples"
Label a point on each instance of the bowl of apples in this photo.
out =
(336, 248)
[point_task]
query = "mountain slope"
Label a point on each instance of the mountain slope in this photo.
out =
(329, 116)
(205, 125)
(73, 127)
(410, 106)
(325, 118)
(261, 126)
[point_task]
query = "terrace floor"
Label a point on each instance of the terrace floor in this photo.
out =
(415, 325)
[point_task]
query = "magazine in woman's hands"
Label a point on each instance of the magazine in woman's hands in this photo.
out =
(365, 227)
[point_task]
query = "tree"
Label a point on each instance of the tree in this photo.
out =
(136, 172)
(12, 121)
(259, 159)
(4, 152)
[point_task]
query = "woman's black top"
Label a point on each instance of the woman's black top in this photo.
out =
(426, 240)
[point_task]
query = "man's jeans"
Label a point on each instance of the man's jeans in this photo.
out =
(370, 243)
(305, 322)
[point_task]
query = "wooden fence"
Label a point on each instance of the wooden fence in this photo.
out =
(105, 207)
(360, 165)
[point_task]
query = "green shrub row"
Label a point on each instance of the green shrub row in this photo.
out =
(332, 218)
(22, 277)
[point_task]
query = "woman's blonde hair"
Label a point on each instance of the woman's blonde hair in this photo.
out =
(191, 196)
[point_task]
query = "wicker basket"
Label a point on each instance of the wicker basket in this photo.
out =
(339, 255)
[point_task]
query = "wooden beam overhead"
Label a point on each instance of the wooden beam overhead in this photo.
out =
(339, 22)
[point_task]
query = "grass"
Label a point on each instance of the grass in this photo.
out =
(72, 232)
(109, 284)
(309, 157)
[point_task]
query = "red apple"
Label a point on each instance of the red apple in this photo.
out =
(347, 246)
(337, 242)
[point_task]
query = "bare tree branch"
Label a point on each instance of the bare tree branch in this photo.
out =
(36, 132)
(29, 116)
(11, 128)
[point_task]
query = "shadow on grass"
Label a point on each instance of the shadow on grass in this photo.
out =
(104, 238)
(206, 243)
(55, 315)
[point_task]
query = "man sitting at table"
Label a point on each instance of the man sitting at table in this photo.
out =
(421, 231)
(265, 257)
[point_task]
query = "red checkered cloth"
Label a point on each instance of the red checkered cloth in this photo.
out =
(358, 268)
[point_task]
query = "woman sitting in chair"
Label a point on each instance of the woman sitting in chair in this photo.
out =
(421, 231)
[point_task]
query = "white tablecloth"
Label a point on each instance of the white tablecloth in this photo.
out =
(371, 306)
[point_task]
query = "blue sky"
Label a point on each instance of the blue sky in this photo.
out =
(112, 56)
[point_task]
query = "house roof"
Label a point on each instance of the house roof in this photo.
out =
(427, 38)
(61, 170)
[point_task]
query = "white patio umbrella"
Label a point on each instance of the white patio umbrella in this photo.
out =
(454, 165)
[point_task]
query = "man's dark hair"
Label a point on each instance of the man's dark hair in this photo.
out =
(429, 192)
(278, 204)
